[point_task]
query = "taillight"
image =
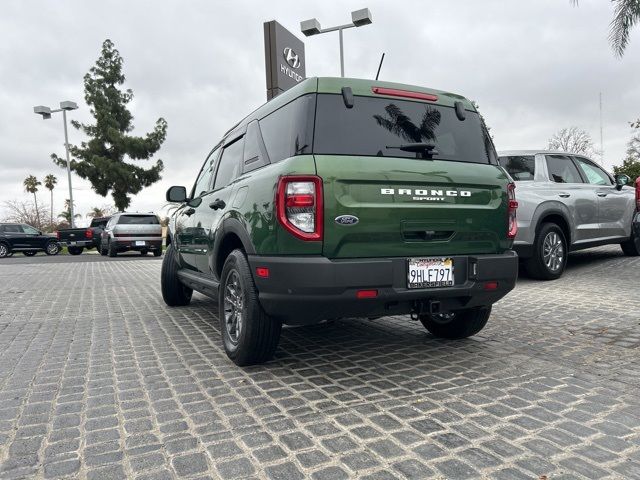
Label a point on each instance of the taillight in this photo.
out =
(58, 235)
(512, 206)
(299, 205)
(394, 92)
(638, 193)
(88, 233)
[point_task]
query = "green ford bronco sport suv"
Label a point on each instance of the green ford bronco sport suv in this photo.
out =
(346, 198)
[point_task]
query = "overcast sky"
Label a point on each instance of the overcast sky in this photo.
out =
(533, 66)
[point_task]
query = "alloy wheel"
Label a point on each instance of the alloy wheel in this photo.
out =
(3, 250)
(233, 306)
(553, 252)
(52, 248)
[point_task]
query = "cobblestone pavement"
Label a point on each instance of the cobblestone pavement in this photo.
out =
(99, 380)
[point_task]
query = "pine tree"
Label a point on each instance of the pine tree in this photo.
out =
(102, 159)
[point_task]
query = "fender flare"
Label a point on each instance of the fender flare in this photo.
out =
(235, 226)
(543, 210)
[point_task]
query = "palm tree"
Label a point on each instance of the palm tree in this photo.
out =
(66, 215)
(31, 184)
(50, 182)
(626, 15)
(96, 212)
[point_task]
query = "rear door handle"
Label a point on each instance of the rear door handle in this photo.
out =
(564, 195)
(217, 204)
(189, 211)
(602, 194)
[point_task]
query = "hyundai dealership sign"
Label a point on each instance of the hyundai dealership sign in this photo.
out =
(284, 59)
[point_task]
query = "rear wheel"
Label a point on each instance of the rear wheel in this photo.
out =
(174, 293)
(157, 253)
(75, 250)
(143, 252)
(29, 253)
(249, 335)
(52, 248)
(103, 251)
(631, 247)
(458, 324)
(111, 249)
(550, 254)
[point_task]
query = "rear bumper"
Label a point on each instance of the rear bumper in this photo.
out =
(303, 290)
(125, 244)
(77, 243)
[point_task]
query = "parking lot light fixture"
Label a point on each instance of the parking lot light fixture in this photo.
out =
(46, 114)
(359, 18)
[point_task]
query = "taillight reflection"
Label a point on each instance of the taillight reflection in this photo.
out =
(512, 206)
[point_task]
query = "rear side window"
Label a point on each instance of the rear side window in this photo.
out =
(229, 165)
(594, 174)
(520, 167)
(99, 223)
(562, 169)
(288, 131)
(378, 126)
(12, 229)
(138, 220)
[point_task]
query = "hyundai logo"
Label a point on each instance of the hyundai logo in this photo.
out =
(291, 57)
(347, 220)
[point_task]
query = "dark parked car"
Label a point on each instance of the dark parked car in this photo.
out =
(19, 237)
(141, 232)
(77, 239)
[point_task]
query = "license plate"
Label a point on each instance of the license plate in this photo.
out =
(430, 272)
(139, 243)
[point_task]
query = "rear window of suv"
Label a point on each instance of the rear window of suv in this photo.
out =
(138, 220)
(373, 124)
(520, 167)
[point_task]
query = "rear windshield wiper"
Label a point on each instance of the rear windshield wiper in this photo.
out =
(428, 149)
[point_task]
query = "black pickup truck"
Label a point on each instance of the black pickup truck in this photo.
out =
(77, 239)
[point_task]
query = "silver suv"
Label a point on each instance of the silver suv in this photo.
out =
(568, 202)
(132, 231)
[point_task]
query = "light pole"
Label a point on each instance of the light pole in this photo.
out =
(46, 114)
(359, 18)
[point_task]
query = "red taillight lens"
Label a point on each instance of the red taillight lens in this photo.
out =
(394, 92)
(262, 272)
(366, 294)
(299, 205)
(58, 235)
(512, 206)
(638, 193)
(88, 233)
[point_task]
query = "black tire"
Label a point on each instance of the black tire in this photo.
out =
(550, 240)
(5, 250)
(102, 250)
(29, 253)
(52, 248)
(157, 253)
(75, 250)
(111, 249)
(256, 338)
(456, 325)
(143, 252)
(174, 293)
(631, 247)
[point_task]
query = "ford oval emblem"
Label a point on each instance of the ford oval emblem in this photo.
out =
(347, 220)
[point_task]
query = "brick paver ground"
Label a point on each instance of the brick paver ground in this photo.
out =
(100, 380)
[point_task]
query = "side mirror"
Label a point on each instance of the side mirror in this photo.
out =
(622, 180)
(177, 194)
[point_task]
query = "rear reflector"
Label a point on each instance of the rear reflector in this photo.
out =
(366, 293)
(490, 285)
(393, 92)
(262, 272)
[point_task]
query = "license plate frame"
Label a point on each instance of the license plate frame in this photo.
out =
(437, 272)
